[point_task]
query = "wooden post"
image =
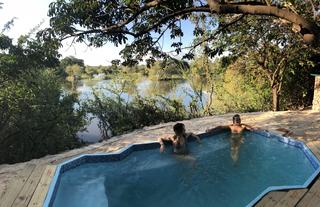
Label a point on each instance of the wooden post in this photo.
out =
(316, 93)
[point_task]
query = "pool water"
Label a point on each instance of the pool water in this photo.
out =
(224, 170)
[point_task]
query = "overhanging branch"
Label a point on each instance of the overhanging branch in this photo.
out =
(310, 30)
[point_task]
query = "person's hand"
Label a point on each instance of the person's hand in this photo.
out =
(162, 148)
(175, 142)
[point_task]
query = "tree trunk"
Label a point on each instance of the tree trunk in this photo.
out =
(275, 98)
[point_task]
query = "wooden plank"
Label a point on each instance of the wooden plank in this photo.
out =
(291, 198)
(28, 189)
(16, 186)
(312, 197)
(271, 199)
(41, 191)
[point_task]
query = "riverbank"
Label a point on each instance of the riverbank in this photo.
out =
(302, 125)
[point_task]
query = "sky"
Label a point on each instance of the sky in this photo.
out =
(30, 13)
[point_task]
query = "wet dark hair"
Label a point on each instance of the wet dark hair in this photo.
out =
(178, 128)
(236, 119)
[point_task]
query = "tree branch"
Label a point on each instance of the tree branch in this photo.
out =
(311, 27)
(134, 16)
(225, 26)
(310, 30)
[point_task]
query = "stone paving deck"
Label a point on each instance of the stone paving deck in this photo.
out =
(26, 184)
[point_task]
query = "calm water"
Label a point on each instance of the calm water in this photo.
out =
(179, 89)
(220, 172)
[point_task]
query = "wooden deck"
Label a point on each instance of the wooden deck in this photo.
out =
(30, 186)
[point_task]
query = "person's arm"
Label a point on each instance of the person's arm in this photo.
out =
(248, 127)
(218, 128)
(190, 134)
(161, 139)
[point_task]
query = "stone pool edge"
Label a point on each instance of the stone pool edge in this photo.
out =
(124, 152)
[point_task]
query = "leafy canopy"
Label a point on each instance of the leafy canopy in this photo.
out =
(140, 24)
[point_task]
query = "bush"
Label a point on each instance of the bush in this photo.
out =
(241, 91)
(119, 116)
(35, 118)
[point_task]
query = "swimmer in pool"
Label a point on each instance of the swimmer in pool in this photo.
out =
(179, 140)
(236, 138)
(236, 128)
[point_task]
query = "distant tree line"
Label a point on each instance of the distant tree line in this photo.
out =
(72, 67)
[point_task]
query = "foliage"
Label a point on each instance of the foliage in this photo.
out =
(140, 25)
(275, 56)
(15, 59)
(73, 70)
(240, 89)
(91, 71)
(298, 87)
(36, 118)
(168, 69)
(71, 66)
(70, 60)
(121, 116)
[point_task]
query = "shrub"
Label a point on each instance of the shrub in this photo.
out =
(119, 116)
(36, 119)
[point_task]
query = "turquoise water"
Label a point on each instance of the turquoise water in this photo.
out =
(223, 171)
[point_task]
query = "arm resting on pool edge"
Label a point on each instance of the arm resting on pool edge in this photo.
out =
(195, 136)
(218, 129)
(249, 127)
(161, 139)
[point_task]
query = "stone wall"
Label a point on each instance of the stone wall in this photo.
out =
(316, 96)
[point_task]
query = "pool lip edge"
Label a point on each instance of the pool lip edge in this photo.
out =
(125, 151)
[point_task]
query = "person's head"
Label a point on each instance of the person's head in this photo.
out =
(179, 129)
(236, 119)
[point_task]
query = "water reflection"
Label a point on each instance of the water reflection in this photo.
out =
(161, 87)
(180, 89)
(236, 140)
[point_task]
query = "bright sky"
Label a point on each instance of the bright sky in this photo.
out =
(30, 13)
